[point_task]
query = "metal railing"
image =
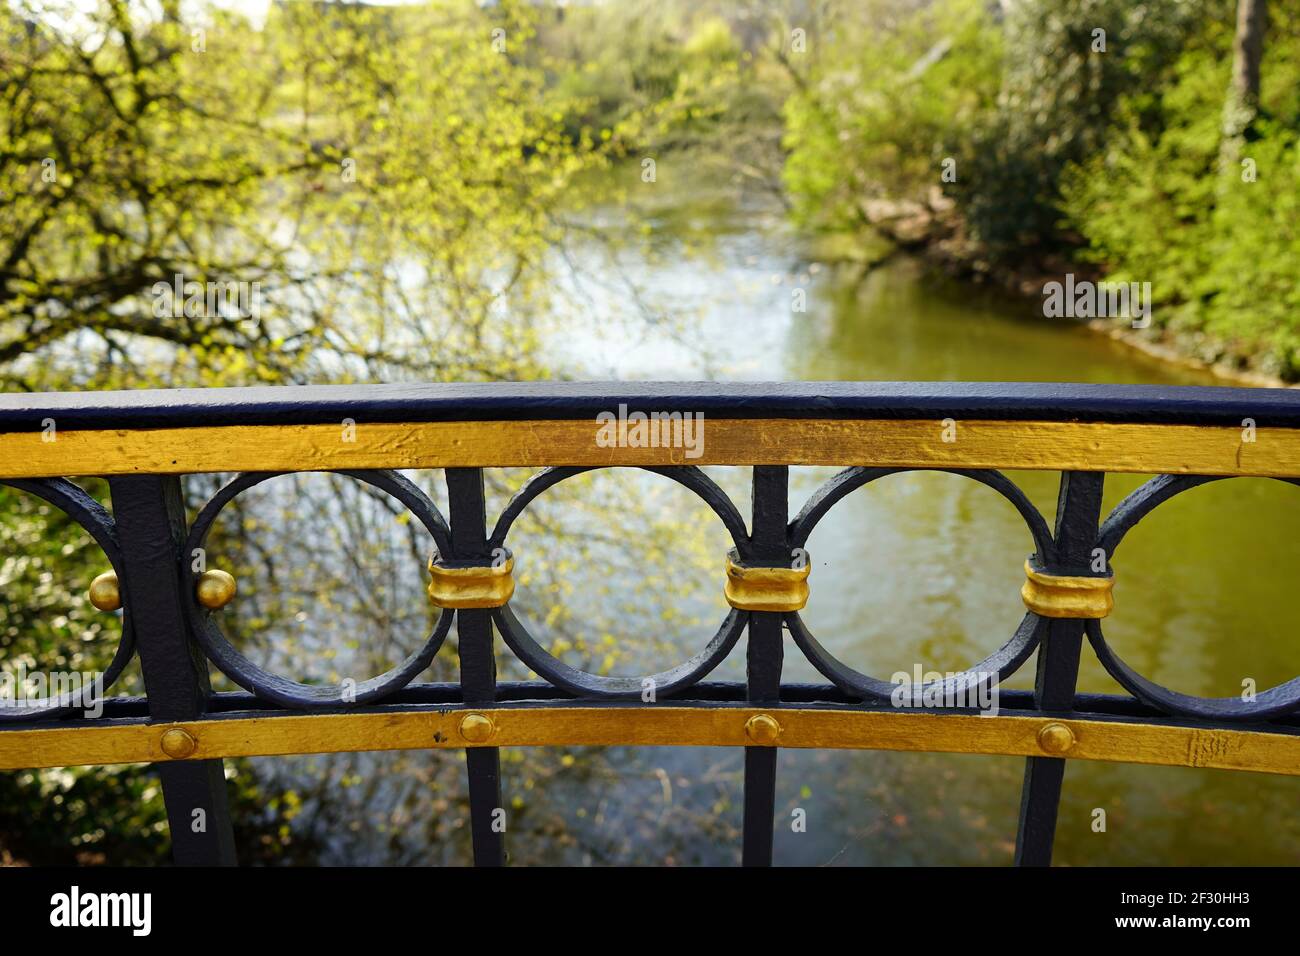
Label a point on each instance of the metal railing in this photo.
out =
(144, 443)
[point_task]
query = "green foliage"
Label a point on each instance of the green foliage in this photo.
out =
(115, 815)
(675, 77)
(388, 175)
(1058, 98)
(1086, 122)
(1219, 250)
(1011, 102)
(604, 87)
(885, 104)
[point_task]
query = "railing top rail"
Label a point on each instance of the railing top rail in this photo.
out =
(320, 404)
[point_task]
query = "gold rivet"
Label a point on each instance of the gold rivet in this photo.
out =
(215, 589)
(104, 593)
(1056, 738)
(178, 743)
(762, 729)
(476, 728)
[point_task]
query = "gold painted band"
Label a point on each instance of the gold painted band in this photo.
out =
(766, 589)
(1052, 446)
(1058, 595)
(471, 587)
(1159, 744)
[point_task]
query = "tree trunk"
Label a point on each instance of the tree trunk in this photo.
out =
(1247, 52)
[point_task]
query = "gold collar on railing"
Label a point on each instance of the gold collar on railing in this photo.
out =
(488, 586)
(765, 589)
(1060, 595)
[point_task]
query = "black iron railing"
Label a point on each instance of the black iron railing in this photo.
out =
(144, 443)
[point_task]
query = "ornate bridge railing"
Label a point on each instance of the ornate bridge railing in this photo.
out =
(144, 442)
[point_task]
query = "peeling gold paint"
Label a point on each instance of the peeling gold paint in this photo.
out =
(803, 728)
(912, 443)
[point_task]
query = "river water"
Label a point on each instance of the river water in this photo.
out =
(919, 569)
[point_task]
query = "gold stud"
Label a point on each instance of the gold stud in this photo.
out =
(215, 589)
(762, 729)
(1056, 738)
(476, 728)
(178, 743)
(104, 592)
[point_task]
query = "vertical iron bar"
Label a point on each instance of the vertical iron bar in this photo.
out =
(1078, 511)
(150, 517)
(765, 655)
(478, 669)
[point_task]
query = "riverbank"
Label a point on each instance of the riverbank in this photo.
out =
(1174, 356)
(934, 232)
(1159, 342)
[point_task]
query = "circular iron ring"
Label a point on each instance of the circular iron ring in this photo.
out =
(281, 690)
(1003, 662)
(98, 523)
(583, 683)
(1282, 699)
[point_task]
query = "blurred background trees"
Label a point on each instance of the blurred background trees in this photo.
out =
(394, 176)
(1151, 141)
(387, 175)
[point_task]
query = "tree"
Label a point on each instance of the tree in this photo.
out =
(1068, 63)
(386, 176)
(1242, 106)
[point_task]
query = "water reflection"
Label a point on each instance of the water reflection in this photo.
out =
(914, 569)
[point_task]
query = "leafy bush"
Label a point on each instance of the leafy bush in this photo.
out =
(1222, 252)
(1067, 65)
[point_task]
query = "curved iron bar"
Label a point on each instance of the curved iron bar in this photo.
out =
(73, 501)
(975, 679)
(282, 690)
(687, 476)
(583, 683)
(851, 479)
(1273, 702)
